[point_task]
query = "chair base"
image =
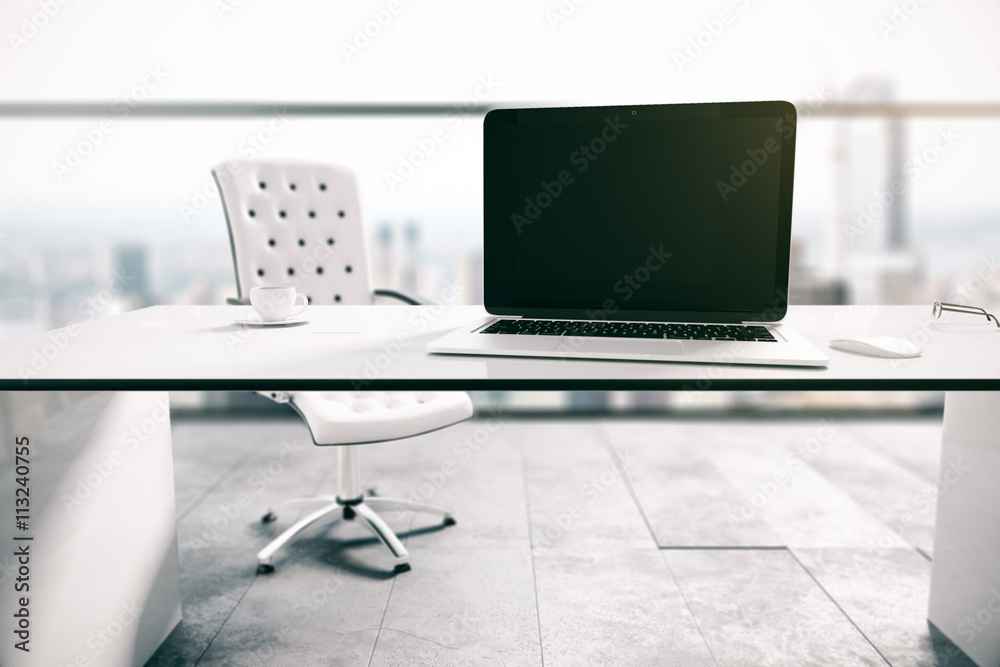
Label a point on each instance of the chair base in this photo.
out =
(361, 508)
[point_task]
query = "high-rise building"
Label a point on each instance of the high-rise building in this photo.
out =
(132, 280)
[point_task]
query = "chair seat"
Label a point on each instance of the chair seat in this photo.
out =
(351, 418)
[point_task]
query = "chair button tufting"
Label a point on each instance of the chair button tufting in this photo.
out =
(398, 400)
(366, 405)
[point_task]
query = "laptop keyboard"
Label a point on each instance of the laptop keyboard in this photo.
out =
(600, 329)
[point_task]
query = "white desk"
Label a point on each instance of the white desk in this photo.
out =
(141, 355)
(199, 347)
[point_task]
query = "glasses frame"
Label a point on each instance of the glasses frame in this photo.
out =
(939, 307)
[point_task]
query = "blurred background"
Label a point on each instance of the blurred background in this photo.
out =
(106, 208)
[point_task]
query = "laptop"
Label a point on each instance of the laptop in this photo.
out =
(655, 232)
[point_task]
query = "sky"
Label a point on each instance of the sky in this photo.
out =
(139, 174)
(567, 50)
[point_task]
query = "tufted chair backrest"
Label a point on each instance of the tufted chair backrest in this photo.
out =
(296, 224)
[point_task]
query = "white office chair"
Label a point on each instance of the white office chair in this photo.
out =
(299, 224)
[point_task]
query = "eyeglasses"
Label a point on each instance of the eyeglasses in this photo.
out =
(939, 308)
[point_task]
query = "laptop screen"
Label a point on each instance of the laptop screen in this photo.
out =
(665, 212)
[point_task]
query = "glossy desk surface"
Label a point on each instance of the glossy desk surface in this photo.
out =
(382, 347)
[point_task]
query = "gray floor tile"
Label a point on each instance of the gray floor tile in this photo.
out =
(318, 610)
(762, 608)
(913, 442)
(230, 513)
(475, 468)
(203, 454)
(885, 593)
(771, 467)
(686, 499)
(392, 467)
(323, 650)
(212, 582)
(401, 649)
(218, 538)
(576, 494)
(462, 606)
(902, 501)
(605, 593)
(614, 606)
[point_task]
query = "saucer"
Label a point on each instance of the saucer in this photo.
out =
(253, 321)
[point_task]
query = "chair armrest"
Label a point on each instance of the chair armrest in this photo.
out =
(405, 297)
(233, 301)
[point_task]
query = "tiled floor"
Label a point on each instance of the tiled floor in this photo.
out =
(579, 542)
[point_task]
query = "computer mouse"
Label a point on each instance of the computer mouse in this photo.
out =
(878, 346)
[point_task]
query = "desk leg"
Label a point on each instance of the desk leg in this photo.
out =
(102, 576)
(965, 574)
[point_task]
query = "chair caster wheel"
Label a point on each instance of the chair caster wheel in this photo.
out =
(402, 567)
(265, 568)
(450, 521)
(269, 517)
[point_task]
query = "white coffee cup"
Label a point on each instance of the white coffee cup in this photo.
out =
(274, 304)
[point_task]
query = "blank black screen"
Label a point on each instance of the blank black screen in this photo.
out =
(671, 211)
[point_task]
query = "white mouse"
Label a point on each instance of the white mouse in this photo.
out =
(878, 346)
